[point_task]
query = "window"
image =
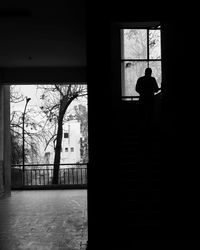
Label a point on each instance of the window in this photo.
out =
(66, 149)
(47, 154)
(140, 48)
(66, 135)
(72, 149)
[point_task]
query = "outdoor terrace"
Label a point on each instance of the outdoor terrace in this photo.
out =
(44, 220)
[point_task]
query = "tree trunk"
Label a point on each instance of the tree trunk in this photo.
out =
(64, 104)
(57, 150)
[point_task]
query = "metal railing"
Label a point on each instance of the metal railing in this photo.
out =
(42, 175)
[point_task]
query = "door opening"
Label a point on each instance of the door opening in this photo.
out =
(49, 148)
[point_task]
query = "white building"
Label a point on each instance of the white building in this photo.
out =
(71, 148)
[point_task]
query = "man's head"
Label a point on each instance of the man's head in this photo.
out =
(148, 72)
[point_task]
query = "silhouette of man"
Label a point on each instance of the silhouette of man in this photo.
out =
(146, 86)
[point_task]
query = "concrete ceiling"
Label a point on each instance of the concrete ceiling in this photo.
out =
(42, 35)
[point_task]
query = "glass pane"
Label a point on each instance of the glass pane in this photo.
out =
(154, 44)
(131, 71)
(156, 71)
(134, 44)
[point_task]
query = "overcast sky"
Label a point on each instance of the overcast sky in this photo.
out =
(32, 92)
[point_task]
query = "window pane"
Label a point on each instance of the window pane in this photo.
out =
(131, 71)
(154, 44)
(134, 44)
(66, 135)
(156, 71)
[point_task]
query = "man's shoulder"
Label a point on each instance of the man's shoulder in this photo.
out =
(141, 78)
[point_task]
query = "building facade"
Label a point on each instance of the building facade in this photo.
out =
(71, 145)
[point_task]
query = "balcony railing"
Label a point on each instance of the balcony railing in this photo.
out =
(41, 175)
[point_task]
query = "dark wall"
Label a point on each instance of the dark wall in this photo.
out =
(179, 173)
(42, 34)
(34, 75)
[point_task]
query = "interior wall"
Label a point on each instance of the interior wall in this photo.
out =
(180, 128)
(179, 50)
(34, 75)
(5, 161)
(42, 34)
(1, 143)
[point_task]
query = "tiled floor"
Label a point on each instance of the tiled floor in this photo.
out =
(43, 220)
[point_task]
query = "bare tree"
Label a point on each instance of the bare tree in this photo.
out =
(15, 95)
(56, 99)
(82, 116)
(32, 129)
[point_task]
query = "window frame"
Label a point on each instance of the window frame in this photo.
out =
(148, 59)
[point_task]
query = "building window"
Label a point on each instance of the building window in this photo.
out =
(66, 135)
(72, 149)
(66, 149)
(140, 48)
